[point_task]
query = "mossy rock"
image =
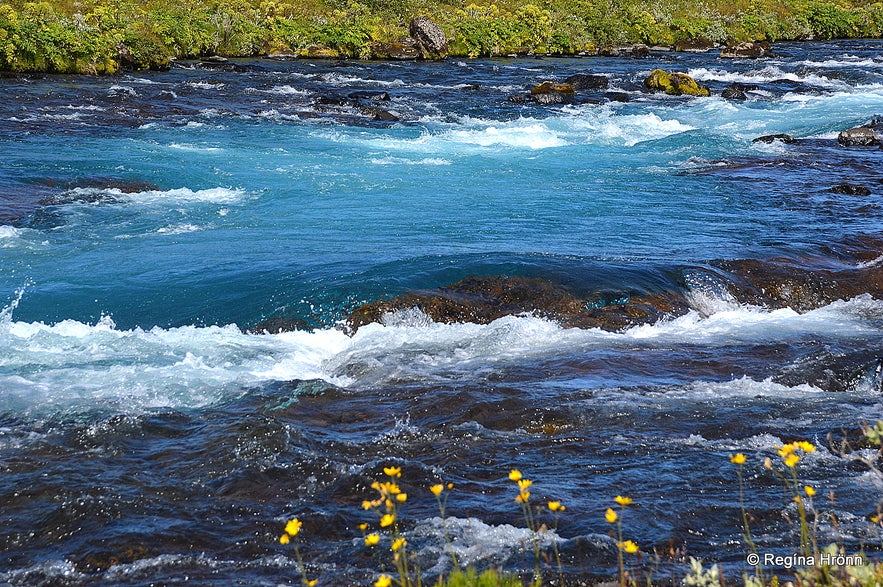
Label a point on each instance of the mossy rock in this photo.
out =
(319, 52)
(675, 84)
(549, 87)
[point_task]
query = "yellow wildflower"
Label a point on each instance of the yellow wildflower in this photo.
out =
(284, 539)
(393, 471)
(628, 546)
(806, 446)
(367, 504)
(611, 516)
(450, 485)
(383, 581)
(402, 497)
(398, 543)
(389, 488)
(555, 506)
(623, 501)
(876, 519)
(389, 504)
(787, 449)
(737, 459)
(375, 485)
(767, 463)
(515, 475)
(523, 497)
(312, 583)
(791, 460)
(387, 520)
(293, 527)
(809, 490)
(436, 490)
(372, 539)
(523, 484)
(363, 527)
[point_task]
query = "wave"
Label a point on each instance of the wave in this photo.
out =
(176, 196)
(77, 365)
(573, 126)
(768, 74)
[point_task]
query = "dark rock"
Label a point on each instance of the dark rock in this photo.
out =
(748, 50)
(395, 50)
(867, 135)
(785, 138)
(335, 101)
(587, 81)
(617, 96)
(380, 114)
(551, 93)
(675, 83)
(731, 93)
(278, 324)
(429, 37)
(850, 189)
(372, 96)
(699, 45)
(484, 299)
(518, 98)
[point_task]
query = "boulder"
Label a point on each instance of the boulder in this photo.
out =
(634, 51)
(379, 114)
(551, 93)
(372, 96)
(850, 189)
(867, 135)
(675, 84)
(699, 45)
(782, 137)
(748, 50)
(587, 81)
(402, 50)
(430, 39)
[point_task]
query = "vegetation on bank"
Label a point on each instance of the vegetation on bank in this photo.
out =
(101, 36)
(811, 563)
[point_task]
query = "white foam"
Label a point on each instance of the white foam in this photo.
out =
(12, 237)
(475, 542)
(183, 228)
(181, 195)
(402, 161)
(286, 90)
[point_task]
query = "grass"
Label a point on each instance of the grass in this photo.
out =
(102, 36)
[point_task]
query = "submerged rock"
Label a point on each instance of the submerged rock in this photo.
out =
(675, 84)
(782, 137)
(748, 50)
(430, 39)
(866, 135)
(781, 285)
(734, 91)
(850, 189)
(484, 299)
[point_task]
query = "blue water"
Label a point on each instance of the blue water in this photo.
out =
(147, 219)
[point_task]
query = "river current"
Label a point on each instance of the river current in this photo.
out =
(149, 220)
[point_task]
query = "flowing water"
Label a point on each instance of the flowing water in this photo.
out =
(148, 220)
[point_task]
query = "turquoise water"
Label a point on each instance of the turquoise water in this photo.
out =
(148, 219)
